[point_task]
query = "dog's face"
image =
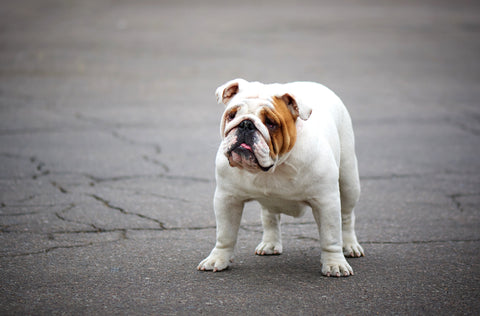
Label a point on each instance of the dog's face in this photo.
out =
(257, 128)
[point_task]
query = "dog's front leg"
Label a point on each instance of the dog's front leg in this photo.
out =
(228, 214)
(326, 212)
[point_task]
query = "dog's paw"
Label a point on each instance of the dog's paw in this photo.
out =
(337, 269)
(353, 250)
(268, 248)
(335, 265)
(216, 261)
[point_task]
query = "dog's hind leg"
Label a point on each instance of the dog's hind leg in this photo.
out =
(272, 240)
(349, 192)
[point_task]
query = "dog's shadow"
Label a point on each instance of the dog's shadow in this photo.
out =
(300, 263)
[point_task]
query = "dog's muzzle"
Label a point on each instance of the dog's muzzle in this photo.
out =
(242, 152)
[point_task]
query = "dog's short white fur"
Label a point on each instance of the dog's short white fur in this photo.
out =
(318, 173)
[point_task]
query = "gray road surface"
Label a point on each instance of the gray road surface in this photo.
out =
(109, 128)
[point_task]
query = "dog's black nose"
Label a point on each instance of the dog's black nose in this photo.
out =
(246, 125)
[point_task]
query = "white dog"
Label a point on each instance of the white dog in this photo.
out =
(290, 147)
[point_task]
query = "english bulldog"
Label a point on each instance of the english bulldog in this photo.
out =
(291, 148)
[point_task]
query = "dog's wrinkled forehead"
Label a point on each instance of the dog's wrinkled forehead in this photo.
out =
(241, 109)
(249, 105)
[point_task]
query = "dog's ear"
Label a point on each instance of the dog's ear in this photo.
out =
(297, 110)
(227, 91)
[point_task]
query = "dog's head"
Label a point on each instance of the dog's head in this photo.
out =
(258, 126)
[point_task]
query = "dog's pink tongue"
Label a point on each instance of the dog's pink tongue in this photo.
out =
(246, 146)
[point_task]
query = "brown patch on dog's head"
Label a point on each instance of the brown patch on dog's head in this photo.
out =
(280, 123)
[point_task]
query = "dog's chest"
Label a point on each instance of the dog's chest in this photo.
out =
(277, 194)
(280, 205)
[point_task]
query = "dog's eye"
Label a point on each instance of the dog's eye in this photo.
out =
(232, 115)
(270, 124)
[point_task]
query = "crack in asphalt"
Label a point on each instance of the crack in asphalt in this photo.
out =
(376, 242)
(59, 187)
(122, 231)
(156, 162)
(390, 176)
(49, 249)
(147, 176)
(123, 236)
(456, 202)
(415, 175)
(456, 199)
(420, 241)
(471, 128)
(123, 211)
(157, 148)
(21, 214)
(40, 168)
(63, 218)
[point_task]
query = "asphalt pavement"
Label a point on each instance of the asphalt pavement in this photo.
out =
(109, 129)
